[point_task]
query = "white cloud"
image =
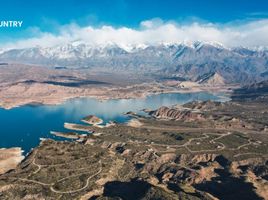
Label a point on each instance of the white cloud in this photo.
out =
(249, 34)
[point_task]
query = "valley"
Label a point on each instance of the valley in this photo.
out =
(25, 84)
(133, 100)
(177, 152)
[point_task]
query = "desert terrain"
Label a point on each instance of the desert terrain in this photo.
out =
(9, 159)
(30, 84)
(201, 150)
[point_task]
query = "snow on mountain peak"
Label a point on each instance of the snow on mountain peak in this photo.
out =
(78, 49)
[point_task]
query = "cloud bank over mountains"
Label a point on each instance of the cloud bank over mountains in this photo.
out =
(247, 34)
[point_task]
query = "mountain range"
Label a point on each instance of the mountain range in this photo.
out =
(179, 61)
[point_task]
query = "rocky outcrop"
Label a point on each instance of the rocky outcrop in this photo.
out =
(213, 79)
(183, 114)
(203, 105)
(92, 119)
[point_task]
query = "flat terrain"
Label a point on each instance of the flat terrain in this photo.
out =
(222, 154)
(26, 84)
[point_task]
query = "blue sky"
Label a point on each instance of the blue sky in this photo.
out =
(49, 15)
(129, 12)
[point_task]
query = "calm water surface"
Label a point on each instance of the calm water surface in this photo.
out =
(24, 126)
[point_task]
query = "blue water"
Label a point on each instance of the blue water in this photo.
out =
(24, 126)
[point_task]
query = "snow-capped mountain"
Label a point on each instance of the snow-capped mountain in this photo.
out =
(188, 60)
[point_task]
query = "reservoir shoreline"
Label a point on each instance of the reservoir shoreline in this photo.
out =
(112, 94)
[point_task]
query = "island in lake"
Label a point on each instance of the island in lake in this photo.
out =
(134, 100)
(200, 150)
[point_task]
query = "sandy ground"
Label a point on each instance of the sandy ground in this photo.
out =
(10, 158)
(15, 95)
(29, 84)
(134, 123)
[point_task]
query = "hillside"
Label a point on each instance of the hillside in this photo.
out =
(254, 91)
(212, 79)
(188, 61)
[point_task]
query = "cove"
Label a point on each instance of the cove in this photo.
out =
(24, 126)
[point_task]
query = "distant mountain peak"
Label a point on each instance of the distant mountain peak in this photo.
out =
(192, 61)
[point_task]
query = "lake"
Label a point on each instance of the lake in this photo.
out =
(25, 125)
